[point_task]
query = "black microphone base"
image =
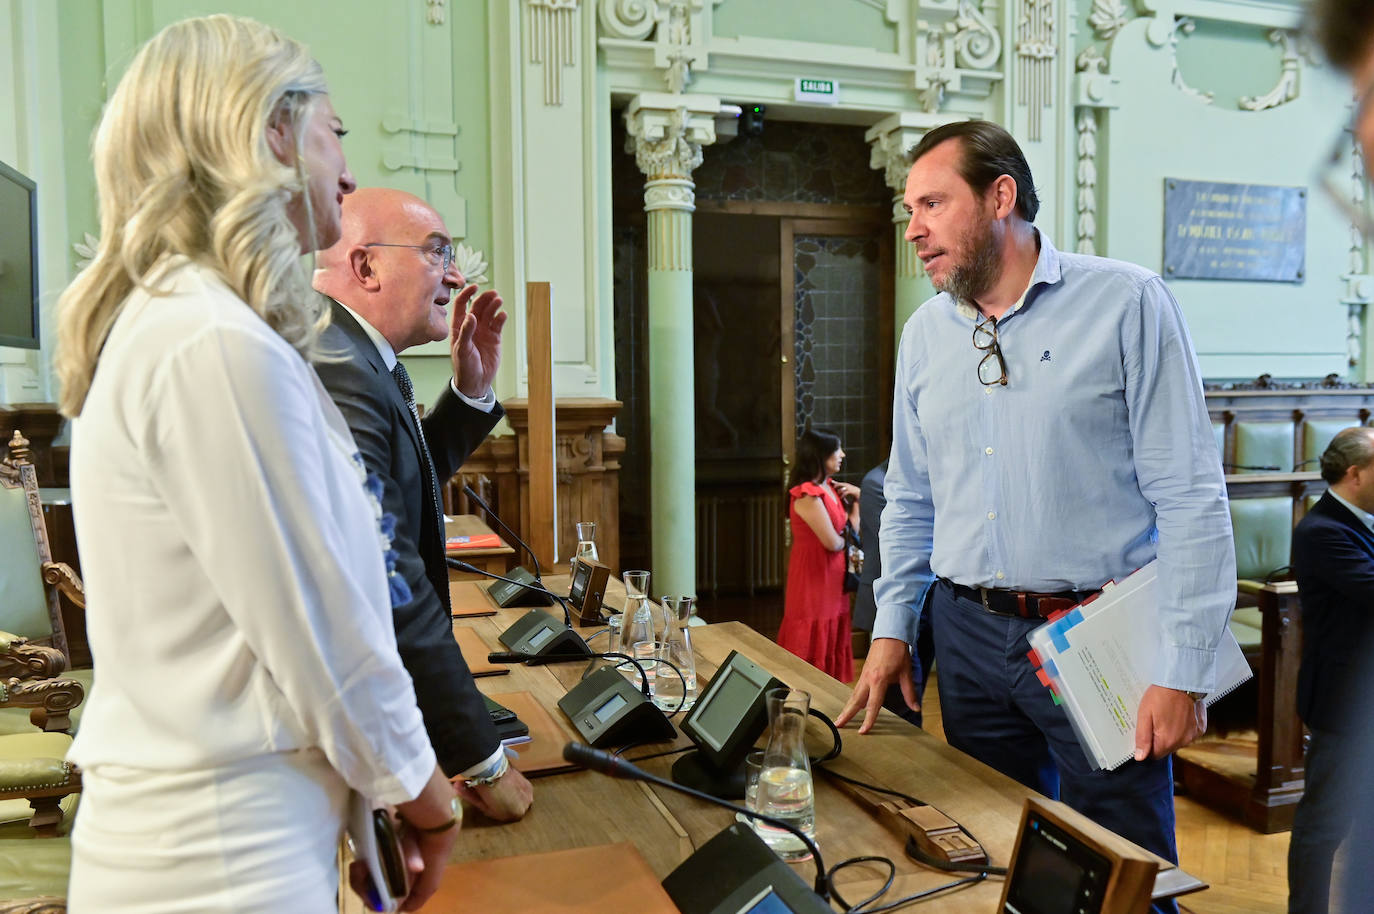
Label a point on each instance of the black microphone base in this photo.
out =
(734, 872)
(509, 595)
(692, 770)
(537, 632)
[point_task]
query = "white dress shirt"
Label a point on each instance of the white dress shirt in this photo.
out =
(237, 602)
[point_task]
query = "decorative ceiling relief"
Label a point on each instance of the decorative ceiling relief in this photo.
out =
(1295, 50)
(552, 40)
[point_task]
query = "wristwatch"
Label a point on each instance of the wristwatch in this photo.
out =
(455, 806)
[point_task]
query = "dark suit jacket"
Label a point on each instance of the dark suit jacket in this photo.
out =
(364, 390)
(1333, 561)
(871, 504)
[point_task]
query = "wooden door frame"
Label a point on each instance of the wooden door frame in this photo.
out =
(849, 223)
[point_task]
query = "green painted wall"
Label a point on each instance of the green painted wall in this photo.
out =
(836, 22)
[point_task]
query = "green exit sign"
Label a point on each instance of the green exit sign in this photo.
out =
(817, 91)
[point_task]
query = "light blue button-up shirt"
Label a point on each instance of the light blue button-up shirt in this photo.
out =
(1096, 457)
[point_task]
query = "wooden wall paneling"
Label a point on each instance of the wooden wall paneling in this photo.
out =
(542, 508)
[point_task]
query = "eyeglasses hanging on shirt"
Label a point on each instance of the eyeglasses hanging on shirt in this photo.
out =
(985, 339)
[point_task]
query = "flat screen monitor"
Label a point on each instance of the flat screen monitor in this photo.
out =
(18, 260)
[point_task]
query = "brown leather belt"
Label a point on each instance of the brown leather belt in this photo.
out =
(1024, 604)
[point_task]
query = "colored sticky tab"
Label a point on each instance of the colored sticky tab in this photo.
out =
(1033, 657)
(1051, 669)
(1043, 677)
(1060, 626)
(1057, 615)
(1055, 697)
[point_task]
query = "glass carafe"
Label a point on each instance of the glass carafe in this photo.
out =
(637, 621)
(672, 693)
(586, 541)
(785, 790)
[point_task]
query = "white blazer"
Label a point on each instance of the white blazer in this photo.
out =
(236, 596)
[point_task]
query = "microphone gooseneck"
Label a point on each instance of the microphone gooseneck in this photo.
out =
(534, 560)
(616, 767)
(539, 659)
(473, 569)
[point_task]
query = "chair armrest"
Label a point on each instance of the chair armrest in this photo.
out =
(21, 660)
(47, 904)
(61, 576)
(51, 699)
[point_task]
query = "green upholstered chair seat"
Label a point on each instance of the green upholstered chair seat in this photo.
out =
(1263, 529)
(1246, 624)
(30, 868)
(21, 576)
(1264, 444)
(20, 746)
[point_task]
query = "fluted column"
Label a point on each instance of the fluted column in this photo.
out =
(891, 140)
(666, 133)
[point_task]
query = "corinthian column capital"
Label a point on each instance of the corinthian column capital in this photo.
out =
(891, 140)
(666, 132)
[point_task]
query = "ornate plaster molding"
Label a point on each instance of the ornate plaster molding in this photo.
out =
(665, 133)
(674, 25)
(1108, 16)
(1085, 121)
(436, 11)
(669, 193)
(1290, 75)
(551, 27)
(1184, 26)
(890, 143)
(1035, 52)
(957, 50)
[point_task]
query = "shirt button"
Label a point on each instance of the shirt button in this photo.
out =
(1000, 575)
(992, 515)
(987, 391)
(987, 450)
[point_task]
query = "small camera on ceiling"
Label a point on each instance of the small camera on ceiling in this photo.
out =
(751, 120)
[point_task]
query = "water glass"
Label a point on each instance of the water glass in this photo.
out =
(753, 767)
(648, 653)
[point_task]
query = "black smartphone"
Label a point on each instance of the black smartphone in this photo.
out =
(389, 852)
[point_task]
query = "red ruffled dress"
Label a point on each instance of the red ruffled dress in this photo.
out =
(815, 617)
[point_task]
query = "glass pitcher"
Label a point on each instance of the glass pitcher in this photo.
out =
(586, 541)
(673, 693)
(785, 790)
(637, 621)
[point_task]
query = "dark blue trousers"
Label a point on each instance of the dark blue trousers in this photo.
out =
(1334, 784)
(996, 710)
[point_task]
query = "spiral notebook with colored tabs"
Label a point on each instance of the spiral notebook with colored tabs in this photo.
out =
(1097, 660)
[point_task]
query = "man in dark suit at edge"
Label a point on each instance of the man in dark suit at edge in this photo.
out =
(1333, 560)
(391, 276)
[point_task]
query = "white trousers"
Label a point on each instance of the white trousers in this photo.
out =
(256, 835)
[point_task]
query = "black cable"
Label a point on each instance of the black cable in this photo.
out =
(854, 861)
(645, 758)
(905, 900)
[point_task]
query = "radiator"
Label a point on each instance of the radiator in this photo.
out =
(757, 520)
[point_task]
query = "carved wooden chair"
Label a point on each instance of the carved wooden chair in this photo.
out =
(30, 584)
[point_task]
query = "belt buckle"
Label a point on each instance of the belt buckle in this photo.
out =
(983, 595)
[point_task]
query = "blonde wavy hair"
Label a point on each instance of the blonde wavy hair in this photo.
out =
(182, 166)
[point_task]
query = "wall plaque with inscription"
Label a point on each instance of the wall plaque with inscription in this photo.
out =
(1234, 231)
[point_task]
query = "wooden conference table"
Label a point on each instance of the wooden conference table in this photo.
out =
(584, 809)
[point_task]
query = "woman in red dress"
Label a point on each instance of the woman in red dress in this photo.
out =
(815, 618)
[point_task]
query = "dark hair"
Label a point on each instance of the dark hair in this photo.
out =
(988, 153)
(1344, 29)
(1352, 447)
(813, 447)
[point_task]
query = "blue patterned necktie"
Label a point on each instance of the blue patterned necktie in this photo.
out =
(408, 393)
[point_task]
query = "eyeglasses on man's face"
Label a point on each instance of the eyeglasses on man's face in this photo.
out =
(439, 252)
(992, 368)
(1342, 172)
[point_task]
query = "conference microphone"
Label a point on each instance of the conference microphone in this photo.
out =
(470, 493)
(540, 659)
(536, 632)
(529, 585)
(616, 767)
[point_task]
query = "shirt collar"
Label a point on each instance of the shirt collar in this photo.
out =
(383, 347)
(1364, 516)
(1047, 272)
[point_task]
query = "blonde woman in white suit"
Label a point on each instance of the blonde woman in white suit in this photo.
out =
(238, 607)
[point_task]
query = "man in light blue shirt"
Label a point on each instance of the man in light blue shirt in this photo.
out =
(1050, 435)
